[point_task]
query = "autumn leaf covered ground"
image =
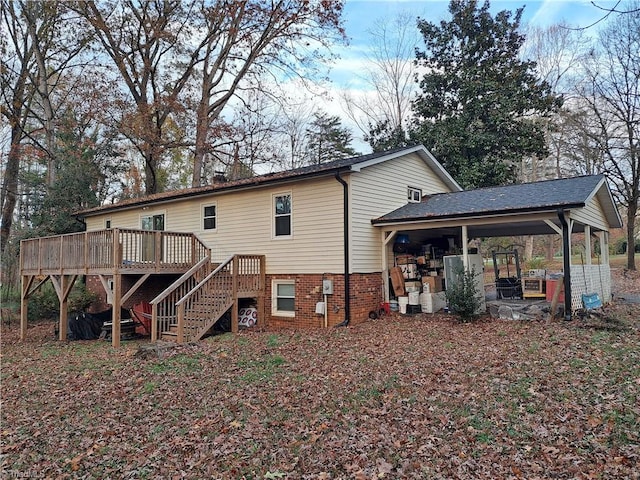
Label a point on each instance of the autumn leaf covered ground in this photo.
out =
(402, 397)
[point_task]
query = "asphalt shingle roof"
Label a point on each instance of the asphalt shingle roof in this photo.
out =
(307, 171)
(526, 197)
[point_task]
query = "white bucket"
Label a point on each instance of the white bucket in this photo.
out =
(402, 303)
(414, 298)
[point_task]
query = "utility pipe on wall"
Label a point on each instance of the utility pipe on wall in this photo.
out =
(345, 216)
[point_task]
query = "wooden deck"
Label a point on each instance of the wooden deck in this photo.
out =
(107, 251)
(113, 253)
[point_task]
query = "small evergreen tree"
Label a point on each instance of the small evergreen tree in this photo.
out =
(79, 178)
(328, 140)
(463, 295)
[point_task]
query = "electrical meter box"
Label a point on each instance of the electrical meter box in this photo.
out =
(327, 287)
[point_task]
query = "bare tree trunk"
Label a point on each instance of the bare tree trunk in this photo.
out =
(528, 247)
(549, 247)
(202, 128)
(631, 240)
(10, 187)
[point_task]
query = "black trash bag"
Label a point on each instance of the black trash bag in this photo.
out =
(88, 326)
(83, 326)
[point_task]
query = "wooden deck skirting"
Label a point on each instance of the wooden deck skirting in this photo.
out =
(110, 254)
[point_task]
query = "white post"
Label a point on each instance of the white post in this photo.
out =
(465, 248)
(587, 244)
(385, 263)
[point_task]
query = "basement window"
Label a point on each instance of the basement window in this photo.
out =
(414, 194)
(283, 298)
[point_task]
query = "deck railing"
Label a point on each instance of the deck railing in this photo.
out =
(123, 249)
(164, 311)
(202, 306)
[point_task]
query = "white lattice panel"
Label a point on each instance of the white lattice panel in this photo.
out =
(590, 279)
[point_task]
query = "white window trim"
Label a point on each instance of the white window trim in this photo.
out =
(410, 196)
(108, 224)
(202, 207)
(273, 217)
(153, 213)
(274, 298)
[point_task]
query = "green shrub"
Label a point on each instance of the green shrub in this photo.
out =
(44, 303)
(463, 295)
(536, 263)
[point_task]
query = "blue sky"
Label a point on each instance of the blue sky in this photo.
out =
(361, 15)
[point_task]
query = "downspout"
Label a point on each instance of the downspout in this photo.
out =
(345, 216)
(566, 257)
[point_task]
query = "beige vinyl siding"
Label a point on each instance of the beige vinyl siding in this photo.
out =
(245, 225)
(592, 214)
(380, 189)
(125, 219)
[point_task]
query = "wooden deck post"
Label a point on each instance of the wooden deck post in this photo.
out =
(234, 288)
(117, 289)
(180, 332)
(63, 285)
(117, 295)
(262, 314)
(27, 281)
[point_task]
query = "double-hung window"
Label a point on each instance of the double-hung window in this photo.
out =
(282, 215)
(209, 217)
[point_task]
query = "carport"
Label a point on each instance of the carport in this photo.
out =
(563, 207)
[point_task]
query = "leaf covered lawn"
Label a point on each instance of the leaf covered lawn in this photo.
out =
(407, 397)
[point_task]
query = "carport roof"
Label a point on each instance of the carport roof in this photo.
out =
(548, 195)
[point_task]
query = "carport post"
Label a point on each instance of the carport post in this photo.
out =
(566, 257)
(386, 238)
(465, 248)
(587, 244)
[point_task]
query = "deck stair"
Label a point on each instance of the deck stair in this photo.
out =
(197, 310)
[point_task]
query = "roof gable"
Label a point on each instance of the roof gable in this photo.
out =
(527, 197)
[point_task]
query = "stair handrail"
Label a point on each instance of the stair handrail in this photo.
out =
(165, 293)
(181, 303)
(169, 290)
(191, 292)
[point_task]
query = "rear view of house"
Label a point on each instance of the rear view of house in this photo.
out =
(310, 247)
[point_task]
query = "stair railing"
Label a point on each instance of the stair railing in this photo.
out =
(219, 286)
(163, 306)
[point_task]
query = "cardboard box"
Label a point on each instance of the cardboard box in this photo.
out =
(432, 302)
(397, 281)
(435, 283)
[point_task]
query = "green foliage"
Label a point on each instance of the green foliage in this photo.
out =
(81, 168)
(44, 303)
(620, 246)
(328, 140)
(479, 101)
(383, 136)
(536, 263)
(463, 295)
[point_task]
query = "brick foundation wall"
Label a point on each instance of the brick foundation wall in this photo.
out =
(365, 295)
